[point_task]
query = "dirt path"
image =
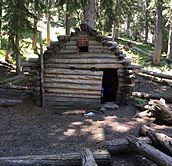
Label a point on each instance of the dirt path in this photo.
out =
(26, 129)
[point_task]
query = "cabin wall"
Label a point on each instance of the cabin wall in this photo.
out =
(72, 88)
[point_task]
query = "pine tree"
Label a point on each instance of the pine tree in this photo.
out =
(158, 33)
(169, 53)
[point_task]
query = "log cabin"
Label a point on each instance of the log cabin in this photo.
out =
(85, 70)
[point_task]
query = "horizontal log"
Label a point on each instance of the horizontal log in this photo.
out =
(149, 152)
(73, 86)
(156, 79)
(72, 91)
(72, 81)
(91, 42)
(118, 146)
(152, 96)
(71, 99)
(82, 96)
(85, 61)
(85, 66)
(73, 77)
(80, 72)
(72, 104)
(155, 74)
(9, 102)
(69, 159)
(91, 56)
(18, 77)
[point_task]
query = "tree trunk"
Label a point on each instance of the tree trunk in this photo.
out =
(89, 14)
(48, 21)
(158, 34)
(0, 25)
(18, 56)
(114, 32)
(67, 19)
(169, 53)
(146, 20)
(34, 37)
(128, 25)
(150, 152)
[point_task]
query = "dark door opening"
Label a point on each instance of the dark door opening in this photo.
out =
(109, 85)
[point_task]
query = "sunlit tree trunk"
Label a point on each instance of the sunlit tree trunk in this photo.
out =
(128, 24)
(169, 53)
(158, 34)
(114, 32)
(48, 21)
(34, 37)
(18, 56)
(67, 19)
(1, 24)
(90, 13)
(146, 20)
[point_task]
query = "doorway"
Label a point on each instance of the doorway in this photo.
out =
(109, 85)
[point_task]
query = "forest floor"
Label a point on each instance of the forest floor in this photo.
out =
(26, 129)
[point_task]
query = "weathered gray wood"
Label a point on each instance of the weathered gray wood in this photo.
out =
(72, 86)
(52, 70)
(42, 71)
(85, 61)
(118, 146)
(73, 77)
(73, 91)
(69, 159)
(91, 42)
(87, 158)
(80, 96)
(12, 79)
(73, 81)
(85, 66)
(152, 96)
(164, 141)
(165, 76)
(150, 152)
(9, 102)
(83, 56)
(161, 110)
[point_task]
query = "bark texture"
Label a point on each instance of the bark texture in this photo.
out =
(89, 14)
(158, 34)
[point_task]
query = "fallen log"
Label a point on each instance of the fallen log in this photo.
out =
(87, 158)
(160, 139)
(160, 75)
(150, 152)
(118, 146)
(151, 96)
(102, 157)
(156, 79)
(9, 102)
(161, 110)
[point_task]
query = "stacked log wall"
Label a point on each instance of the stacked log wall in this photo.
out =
(74, 78)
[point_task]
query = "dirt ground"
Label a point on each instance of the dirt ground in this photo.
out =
(26, 129)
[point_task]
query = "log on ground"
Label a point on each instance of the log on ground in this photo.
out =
(149, 152)
(160, 139)
(118, 146)
(102, 157)
(9, 102)
(87, 158)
